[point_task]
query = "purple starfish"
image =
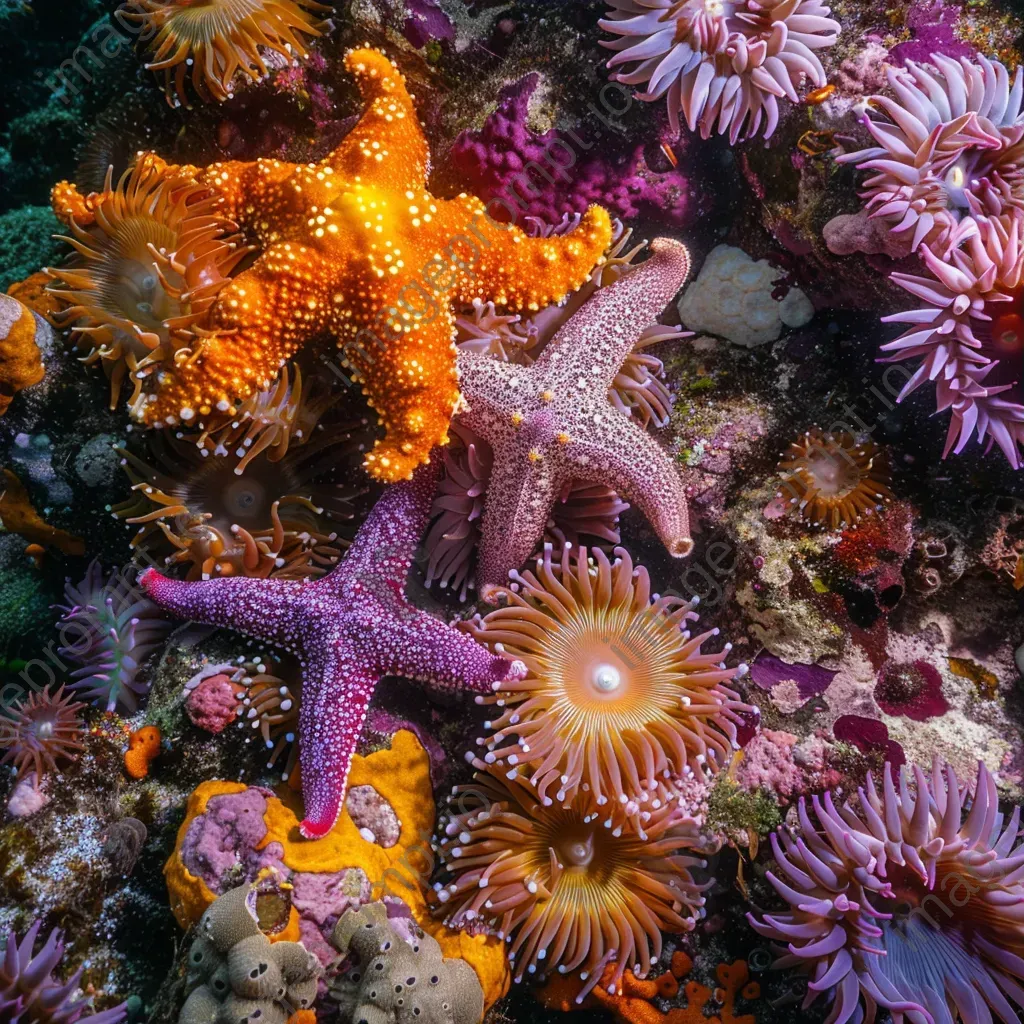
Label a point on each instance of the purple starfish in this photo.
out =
(551, 422)
(348, 629)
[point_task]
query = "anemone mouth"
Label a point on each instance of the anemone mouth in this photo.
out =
(213, 41)
(618, 694)
(565, 890)
(833, 479)
(40, 732)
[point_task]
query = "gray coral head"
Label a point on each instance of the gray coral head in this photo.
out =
(229, 919)
(253, 971)
(239, 1010)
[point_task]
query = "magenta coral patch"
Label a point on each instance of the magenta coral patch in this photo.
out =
(869, 735)
(913, 690)
(768, 671)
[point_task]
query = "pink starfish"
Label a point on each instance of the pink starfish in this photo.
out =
(551, 422)
(348, 629)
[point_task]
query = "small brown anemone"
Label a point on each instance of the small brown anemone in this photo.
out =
(834, 479)
(39, 732)
(218, 39)
(618, 699)
(152, 255)
(566, 892)
(279, 518)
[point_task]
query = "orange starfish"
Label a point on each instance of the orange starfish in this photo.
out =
(357, 247)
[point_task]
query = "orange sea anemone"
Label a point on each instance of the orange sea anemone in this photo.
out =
(217, 39)
(152, 255)
(565, 891)
(280, 517)
(39, 732)
(834, 479)
(618, 700)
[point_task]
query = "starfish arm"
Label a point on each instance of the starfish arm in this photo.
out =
(430, 651)
(620, 454)
(484, 383)
(263, 609)
(386, 145)
(595, 341)
(520, 496)
(381, 554)
(260, 319)
(412, 382)
(499, 262)
(336, 691)
(246, 186)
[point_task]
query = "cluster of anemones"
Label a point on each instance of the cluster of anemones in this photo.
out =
(723, 65)
(949, 176)
(572, 841)
(153, 252)
(895, 903)
(255, 493)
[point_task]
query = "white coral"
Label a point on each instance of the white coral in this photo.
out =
(732, 297)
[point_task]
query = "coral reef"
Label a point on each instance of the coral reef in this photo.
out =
(618, 696)
(40, 731)
(109, 629)
(859, 887)
(396, 973)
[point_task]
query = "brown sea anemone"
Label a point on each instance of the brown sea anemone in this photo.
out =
(834, 479)
(566, 892)
(899, 901)
(39, 732)
(618, 699)
(218, 39)
(152, 256)
(280, 517)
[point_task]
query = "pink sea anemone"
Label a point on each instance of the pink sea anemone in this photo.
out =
(950, 153)
(968, 332)
(723, 63)
(895, 903)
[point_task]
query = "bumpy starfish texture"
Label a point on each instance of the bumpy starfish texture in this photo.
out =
(551, 422)
(356, 246)
(348, 629)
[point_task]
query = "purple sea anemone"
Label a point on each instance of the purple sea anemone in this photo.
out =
(895, 903)
(39, 732)
(969, 333)
(29, 992)
(950, 153)
(110, 628)
(723, 63)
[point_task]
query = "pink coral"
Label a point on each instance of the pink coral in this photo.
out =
(768, 764)
(212, 699)
(723, 65)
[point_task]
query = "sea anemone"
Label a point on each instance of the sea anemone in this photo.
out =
(724, 61)
(590, 510)
(217, 39)
(618, 699)
(833, 479)
(29, 992)
(565, 891)
(39, 732)
(148, 269)
(894, 903)
(950, 153)
(109, 628)
(969, 333)
(275, 511)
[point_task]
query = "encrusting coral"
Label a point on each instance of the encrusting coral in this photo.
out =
(551, 423)
(834, 479)
(242, 975)
(29, 992)
(336, 237)
(153, 252)
(723, 66)
(218, 40)
(109, 629)
(23, 333)
(397, 974)
(349, 629)
(565, 891)
(143, 747)
(40, 731)
(618, 698)
(895, 903)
